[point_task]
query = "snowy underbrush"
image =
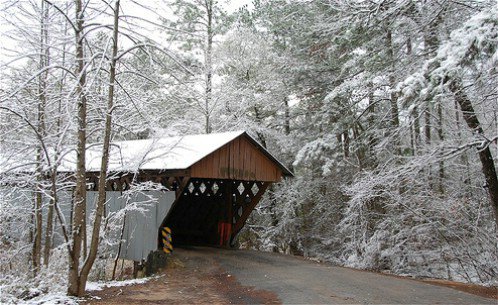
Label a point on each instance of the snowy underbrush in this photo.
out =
(17, 292)
(18, 286)
(384, 225)
(398, 225)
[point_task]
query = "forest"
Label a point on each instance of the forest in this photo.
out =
(386, 111)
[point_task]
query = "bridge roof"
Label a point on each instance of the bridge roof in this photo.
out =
(170, 153)
(228, 155)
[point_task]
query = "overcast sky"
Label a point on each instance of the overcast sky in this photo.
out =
(157, 8)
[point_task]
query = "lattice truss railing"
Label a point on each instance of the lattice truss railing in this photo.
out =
(241, 197)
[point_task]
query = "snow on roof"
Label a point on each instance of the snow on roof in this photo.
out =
(154, 154)
(172, 153)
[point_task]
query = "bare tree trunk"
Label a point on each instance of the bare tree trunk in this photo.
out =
(53, 206)
(36, 253)
(431, 44)
(416, 129)
(488, 166)
(79, 201)
(209, 62)
(94, 244)
(441, 138)
(49, 230)
(372, 137)
(121, 234)
(427, 134)
(431, 41)
(427, 126)
(464, 158)
(50, 218)
(345, 144)
(287, 116)
(45, 61)
(394, 111)
(415, 134)
(42, 101)
(360, 150)
(392, 81)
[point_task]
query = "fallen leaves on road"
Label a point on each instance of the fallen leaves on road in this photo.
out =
(186, 282)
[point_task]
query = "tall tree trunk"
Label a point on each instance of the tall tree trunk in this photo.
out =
(431, 44)
(45, 60)
(50, 218)
(42, 101)
(79, 199)
(286, 116)
(345, 144)
(37, 236)
(427, 134)
(427, 126)
(440, 133)
(360, 149)
(394, 111)
(467, 180)
(209, 63)
(94, 244)
(372, 137)
(485, 156)
(392, 81)
(53, 209)
(416, 129)
(415, 133)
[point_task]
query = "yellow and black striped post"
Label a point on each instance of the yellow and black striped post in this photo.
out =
(167, 240)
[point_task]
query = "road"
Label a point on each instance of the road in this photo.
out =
(209, 275)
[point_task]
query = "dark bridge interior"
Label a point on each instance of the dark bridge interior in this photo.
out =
(212, 211)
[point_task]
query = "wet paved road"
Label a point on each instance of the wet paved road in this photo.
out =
(298, 281)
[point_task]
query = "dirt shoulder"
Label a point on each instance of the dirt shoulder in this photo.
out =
(186, 282)
(483, 291)
(487, 292)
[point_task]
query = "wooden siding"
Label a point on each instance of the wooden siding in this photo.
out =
(237, 160)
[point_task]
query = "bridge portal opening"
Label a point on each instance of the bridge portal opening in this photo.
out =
(213, 211)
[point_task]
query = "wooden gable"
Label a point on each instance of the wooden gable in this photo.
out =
(239, 159)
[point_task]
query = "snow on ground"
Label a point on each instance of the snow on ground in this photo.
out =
(58, 295)
(95, 286)
(52, 298)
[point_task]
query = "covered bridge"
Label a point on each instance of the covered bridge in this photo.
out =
(218, 179)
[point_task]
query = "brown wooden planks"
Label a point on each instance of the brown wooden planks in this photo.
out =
(238, 160)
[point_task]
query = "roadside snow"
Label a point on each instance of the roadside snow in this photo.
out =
(96, 286)
(52, 298)
(59, 295)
